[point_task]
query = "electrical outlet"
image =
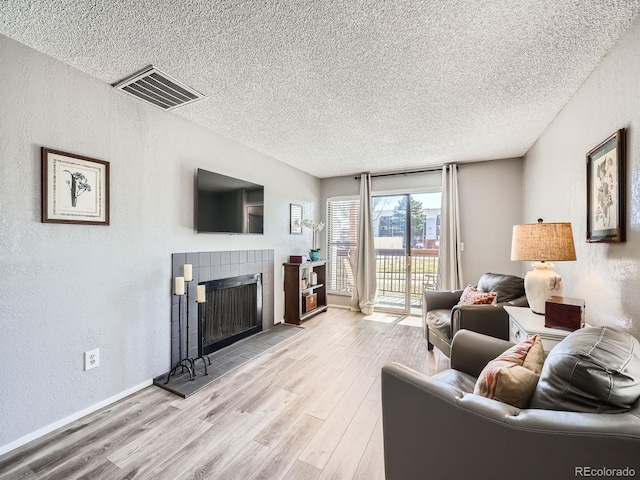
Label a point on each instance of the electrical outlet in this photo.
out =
(91, 359)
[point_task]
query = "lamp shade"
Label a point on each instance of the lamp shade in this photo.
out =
(540, 242)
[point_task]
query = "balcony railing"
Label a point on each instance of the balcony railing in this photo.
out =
(391, 271)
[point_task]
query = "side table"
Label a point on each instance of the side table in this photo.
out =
(523, 323)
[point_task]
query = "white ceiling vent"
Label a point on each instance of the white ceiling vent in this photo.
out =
(159, 89)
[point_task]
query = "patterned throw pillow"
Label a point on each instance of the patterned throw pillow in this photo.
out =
(471, 296)
(512, 377)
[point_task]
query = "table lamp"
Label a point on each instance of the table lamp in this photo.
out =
(541, 242)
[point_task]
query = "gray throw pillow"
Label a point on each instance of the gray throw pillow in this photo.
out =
(593, 370)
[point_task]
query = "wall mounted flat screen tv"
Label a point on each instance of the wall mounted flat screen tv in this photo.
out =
(228, 205)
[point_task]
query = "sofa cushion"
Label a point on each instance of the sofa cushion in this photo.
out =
(508, 287)
(471, 296)
(512, 377)
(439, 322)
(594, 369)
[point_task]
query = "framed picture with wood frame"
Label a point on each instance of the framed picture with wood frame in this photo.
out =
(75, 188)
(606, 190)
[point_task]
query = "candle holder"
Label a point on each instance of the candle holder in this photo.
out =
(189, 359)
(182, 362)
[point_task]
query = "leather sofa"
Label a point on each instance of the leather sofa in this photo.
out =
(435, 427)
(442, 317)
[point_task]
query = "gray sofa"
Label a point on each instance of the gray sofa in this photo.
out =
(442, 317)
(434, 427)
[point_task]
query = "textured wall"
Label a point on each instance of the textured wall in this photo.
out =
(65, 289)
(490, 205)
(606, 275)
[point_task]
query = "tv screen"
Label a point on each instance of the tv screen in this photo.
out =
(228, 205)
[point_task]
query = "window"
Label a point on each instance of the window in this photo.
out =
(342, 237)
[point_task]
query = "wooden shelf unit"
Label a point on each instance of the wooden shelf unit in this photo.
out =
(294, 294)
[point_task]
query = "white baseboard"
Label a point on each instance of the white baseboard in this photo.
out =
(344, 307)
(71, 418)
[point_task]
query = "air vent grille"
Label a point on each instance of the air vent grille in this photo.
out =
(158, 89)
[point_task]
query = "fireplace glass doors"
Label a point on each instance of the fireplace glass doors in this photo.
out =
(232, 310)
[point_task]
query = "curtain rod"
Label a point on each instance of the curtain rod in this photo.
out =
(406, 172)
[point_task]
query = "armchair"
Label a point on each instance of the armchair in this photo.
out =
(435, 427)
(442, 317)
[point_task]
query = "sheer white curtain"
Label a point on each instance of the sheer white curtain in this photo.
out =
(364, 289)
(450, 261)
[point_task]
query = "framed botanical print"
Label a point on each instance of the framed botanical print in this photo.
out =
(606, 190)
(75, 189)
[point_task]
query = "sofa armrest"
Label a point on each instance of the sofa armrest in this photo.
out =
(492, 320)
(518, 302)
(434, 430)
(471, 351)
(437, 299)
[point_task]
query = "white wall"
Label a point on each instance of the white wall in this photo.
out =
(65, 289)
(491, 203)
(606, 275)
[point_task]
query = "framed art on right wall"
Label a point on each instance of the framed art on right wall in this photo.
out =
(606, 190)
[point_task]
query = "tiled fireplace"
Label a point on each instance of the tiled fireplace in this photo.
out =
(209, 266)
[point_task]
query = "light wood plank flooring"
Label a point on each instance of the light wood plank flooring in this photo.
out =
(308, 409)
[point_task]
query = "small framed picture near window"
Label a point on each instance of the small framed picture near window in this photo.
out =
(295, 215)
(606, 190)
(75, 189)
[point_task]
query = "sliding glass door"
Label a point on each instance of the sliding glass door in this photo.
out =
(390, 233)
(406, 230)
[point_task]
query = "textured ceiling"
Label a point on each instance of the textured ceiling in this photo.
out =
(335, 88)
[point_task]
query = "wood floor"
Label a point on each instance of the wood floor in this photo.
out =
(309, 409)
